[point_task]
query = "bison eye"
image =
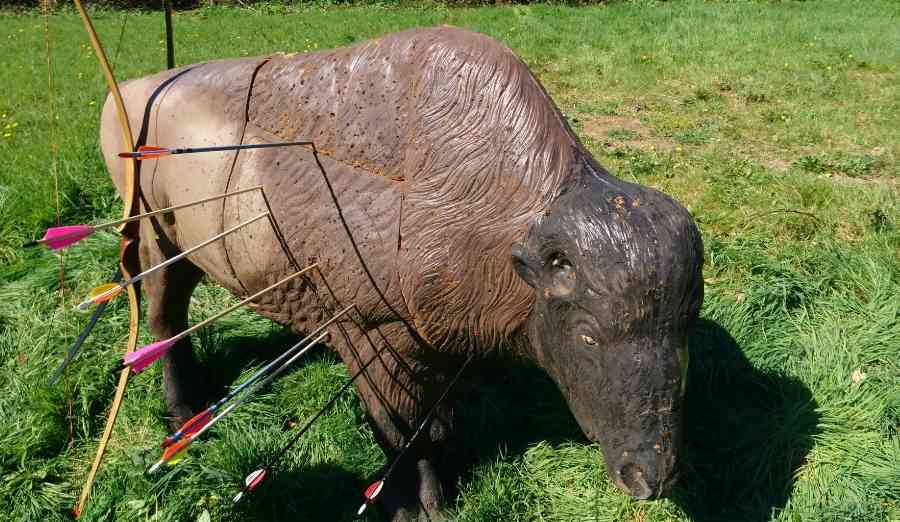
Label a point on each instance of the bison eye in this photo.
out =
(559, 262)
(588, 340)
(561, 276)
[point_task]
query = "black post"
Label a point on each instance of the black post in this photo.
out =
(170, 41)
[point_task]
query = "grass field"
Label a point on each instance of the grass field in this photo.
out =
(776, 123)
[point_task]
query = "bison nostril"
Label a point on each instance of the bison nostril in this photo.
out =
(632, 477)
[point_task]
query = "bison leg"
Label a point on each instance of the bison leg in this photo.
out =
(168, 293)
(398, 391)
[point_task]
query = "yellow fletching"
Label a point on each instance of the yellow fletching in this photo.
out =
(99, 291)
(176, 458)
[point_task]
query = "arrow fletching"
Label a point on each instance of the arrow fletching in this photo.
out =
(173, 455)
(250, 483)
(146, 152)
(101, 294)
(61, 237)
(102, 291)
(370, 495)
(143, 357)
(195, 424)
(176, 452)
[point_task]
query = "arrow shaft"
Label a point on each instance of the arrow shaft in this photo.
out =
(174, 208)
(425, 421)
(324, 409)
(331, 402)
(232, 308)
(168, 262)
(263, 371)
(258, 385)
(191, 250)
(194, 436)
(273, 364)
(76, 346)
(219, 148)
(375, 488)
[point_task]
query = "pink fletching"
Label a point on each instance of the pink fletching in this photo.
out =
(147, 355)
(373, 490)
(255, 478)
(61, 237)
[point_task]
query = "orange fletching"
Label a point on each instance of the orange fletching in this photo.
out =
(190, 427)
(105, 293)
(176, 451)
(147, 152)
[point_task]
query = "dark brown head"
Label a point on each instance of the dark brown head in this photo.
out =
(616, 269)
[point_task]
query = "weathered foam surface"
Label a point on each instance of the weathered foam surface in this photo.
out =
(438, 166)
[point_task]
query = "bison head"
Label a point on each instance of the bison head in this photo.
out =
(616, 269)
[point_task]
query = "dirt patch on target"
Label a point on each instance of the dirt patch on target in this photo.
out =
(625, 132)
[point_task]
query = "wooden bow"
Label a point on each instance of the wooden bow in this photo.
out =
(128, 248)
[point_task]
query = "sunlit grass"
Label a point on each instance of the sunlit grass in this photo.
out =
(774, 122)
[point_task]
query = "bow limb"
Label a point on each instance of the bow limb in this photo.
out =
(130, 201)
(128, 250)
(133, 320)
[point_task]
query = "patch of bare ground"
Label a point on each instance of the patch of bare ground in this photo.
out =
(837, 177)
(779, 165)
(624, 132)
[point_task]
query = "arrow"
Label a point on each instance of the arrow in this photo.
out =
(148, 354)
(76, 346)
(369, 495)
(250, 483)
(179, 448)
(61, 237)
(104, 293)
(198, 421)
(151, 152)
(376, 487)
(56, 238)
(115, 290)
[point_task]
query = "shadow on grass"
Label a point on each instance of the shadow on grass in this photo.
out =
(320, 492)
(508, 407)
(226, 359)
(747, 431)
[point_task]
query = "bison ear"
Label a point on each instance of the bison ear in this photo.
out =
(526, 264)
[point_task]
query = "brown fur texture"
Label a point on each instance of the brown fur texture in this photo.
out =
(461, 127)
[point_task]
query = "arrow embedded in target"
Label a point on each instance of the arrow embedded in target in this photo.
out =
(143, 357)
(56, 238)
(176, 450)
(371, 493)
(197, 422)
(106, 292)
(151, 152)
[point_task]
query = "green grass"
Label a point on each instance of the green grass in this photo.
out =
(776, 123)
